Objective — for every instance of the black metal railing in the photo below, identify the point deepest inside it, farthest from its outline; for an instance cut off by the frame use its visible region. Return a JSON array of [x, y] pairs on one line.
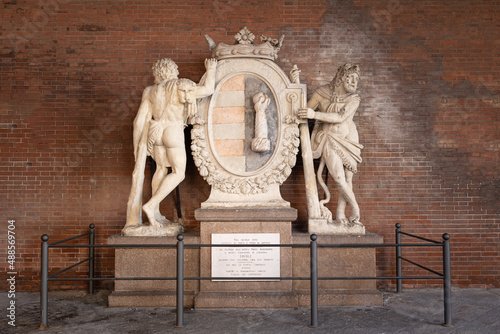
[[180, 278]]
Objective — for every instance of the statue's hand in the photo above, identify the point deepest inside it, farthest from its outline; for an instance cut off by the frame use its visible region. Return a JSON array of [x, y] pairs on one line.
[[267, 102], [263, 103], [306, 113], [210, 64]]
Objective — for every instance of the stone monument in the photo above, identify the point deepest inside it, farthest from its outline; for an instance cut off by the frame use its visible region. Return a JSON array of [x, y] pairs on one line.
[[249, 119]]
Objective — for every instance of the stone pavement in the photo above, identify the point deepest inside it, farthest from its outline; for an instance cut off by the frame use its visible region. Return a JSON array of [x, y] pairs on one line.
[[413, 311]]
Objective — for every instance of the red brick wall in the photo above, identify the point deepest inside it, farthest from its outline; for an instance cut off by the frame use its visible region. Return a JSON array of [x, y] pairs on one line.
[[72, 73]]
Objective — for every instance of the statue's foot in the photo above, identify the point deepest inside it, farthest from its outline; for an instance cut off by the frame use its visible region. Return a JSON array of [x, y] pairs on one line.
[[335, 227], [150, 213], [156, 227], [163, 224], [354, 219], [161, 218], [341, 221], [340, 225]]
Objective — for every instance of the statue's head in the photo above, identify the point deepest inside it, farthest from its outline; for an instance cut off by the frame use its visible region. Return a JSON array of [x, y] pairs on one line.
[[186, 91], [165, 69], [347, 77]]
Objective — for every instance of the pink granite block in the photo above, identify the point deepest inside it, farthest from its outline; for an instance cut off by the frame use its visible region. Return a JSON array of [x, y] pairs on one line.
[[230, 147], [234, 84]]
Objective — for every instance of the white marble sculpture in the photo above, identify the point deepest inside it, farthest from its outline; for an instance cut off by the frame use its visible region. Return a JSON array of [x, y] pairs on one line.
[[261, 143], [159, 132], [335, 141]]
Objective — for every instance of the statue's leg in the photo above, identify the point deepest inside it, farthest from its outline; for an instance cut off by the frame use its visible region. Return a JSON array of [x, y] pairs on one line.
[[135, 197], [342, 201], [160, 155], [177, 157], [336, 168]]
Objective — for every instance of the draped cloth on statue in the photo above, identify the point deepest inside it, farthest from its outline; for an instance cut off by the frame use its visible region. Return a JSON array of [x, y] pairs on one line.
[[348, 151], [325, 142]]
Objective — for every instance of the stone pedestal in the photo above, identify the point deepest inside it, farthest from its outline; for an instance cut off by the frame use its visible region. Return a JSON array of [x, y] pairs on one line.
[[277, 294], [153, 262], [332, 262], [338, 262]]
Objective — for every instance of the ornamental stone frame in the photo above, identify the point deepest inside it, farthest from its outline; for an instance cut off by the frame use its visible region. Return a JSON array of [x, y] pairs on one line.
[[247, 179]]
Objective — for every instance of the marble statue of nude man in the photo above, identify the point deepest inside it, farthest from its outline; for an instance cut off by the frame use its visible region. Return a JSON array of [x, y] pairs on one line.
[[335, 138], [159, 132]]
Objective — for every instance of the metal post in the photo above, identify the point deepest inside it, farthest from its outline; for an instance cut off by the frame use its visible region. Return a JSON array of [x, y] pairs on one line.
[[314, 281], [180, 281], [447, 280], [91, 258], [399, 281], [44, 283]]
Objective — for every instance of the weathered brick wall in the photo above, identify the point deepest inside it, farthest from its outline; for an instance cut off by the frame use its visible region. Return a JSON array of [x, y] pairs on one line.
[[72, 74]]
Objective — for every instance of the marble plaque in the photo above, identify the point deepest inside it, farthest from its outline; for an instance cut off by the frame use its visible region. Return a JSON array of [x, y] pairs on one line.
[[249, 261]]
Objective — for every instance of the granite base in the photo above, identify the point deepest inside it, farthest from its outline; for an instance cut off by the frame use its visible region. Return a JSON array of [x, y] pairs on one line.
[[161, 262]]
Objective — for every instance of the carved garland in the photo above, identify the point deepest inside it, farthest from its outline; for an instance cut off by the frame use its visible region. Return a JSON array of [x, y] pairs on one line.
[[278, 172]]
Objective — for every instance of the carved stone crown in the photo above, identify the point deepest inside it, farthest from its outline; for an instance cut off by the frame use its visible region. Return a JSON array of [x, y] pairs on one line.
[[245, 47]]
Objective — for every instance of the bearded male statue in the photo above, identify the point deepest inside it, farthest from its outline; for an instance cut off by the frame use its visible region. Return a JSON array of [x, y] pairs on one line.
[[335, 140], [159, 132]]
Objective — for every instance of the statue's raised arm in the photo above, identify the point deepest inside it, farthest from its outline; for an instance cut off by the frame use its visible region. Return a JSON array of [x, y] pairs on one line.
[[206, 88]]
